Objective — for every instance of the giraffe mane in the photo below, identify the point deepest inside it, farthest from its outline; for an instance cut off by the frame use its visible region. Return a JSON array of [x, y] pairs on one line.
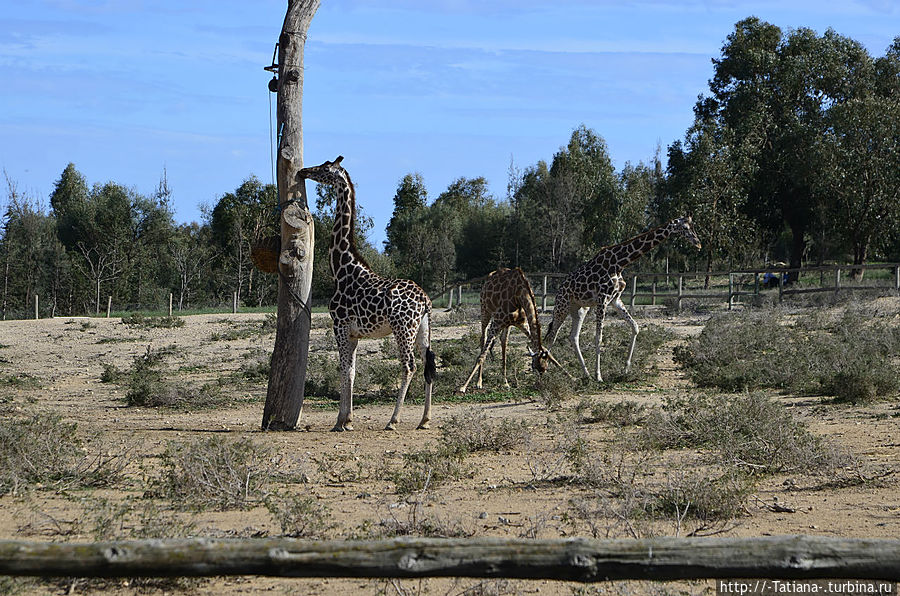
[[537, 320], [354, 249]]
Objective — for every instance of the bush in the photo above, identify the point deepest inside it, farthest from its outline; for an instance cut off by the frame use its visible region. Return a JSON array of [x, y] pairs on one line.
[[472, 431], [622, 413], [300, 516], [45, 451], [430, 467], [849, 356], [215, 473], [749, 431], [139, 321]]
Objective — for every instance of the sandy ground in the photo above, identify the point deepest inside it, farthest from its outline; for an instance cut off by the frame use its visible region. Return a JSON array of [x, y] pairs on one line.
[[510, 493]]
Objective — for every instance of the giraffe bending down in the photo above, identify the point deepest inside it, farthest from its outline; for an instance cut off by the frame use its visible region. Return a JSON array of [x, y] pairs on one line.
[[366, 305], [599, 283], [507, 300]]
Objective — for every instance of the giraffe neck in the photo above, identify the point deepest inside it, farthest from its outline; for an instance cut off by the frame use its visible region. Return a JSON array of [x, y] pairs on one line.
[[343, 251], [631, 250]]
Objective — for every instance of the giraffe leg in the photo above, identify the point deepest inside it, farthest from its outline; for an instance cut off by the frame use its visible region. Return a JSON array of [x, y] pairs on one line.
[[347, 354], [408, 368], [423, 342], [634, 331], [484, 342], [504, 335], [574, 336], [598, 339], [490, 337]]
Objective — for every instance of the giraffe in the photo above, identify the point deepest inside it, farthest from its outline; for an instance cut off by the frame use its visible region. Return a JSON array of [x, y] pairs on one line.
[[507, 300], [366, 305], [599, 283]]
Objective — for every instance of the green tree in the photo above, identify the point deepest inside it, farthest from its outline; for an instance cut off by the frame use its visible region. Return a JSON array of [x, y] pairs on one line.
[[861, 158], [239, 219], [27, 245]]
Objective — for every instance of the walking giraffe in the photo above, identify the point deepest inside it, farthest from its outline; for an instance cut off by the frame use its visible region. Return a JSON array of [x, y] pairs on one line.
[[599, 283], [366, 305], [507, 300]]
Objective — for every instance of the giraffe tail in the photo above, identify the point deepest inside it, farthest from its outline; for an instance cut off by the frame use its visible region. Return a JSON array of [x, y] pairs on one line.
[[430, 366]]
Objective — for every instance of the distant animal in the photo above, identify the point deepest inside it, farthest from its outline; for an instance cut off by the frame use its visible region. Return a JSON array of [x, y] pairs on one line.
[[366, 305], [599, 283], [507, 300]]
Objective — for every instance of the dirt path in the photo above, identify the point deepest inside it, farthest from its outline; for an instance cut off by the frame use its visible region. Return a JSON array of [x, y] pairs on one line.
[[518, 491]]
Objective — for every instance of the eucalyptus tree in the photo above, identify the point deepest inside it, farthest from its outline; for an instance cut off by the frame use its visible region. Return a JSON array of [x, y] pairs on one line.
[[239, 219], [773, 91]]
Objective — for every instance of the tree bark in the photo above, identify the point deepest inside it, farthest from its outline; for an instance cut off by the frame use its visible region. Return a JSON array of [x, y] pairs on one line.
[[287, 376]]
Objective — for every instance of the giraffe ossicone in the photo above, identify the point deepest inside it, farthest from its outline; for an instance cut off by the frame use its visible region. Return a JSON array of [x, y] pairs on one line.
[[367, 305], [599, 283]]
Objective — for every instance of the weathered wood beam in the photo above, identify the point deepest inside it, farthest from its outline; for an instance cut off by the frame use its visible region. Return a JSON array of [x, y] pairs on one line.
[[577, 559]]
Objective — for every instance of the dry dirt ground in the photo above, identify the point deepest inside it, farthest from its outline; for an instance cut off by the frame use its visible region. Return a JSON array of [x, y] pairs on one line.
[[514, 492]]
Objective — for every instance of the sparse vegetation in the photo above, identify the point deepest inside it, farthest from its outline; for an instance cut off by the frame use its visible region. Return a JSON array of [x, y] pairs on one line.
[[430, 467], [299, 516], [148, 384], [472, 430], [215, 473], [140, 321], [42, 451], [848, 356], [749, 431]]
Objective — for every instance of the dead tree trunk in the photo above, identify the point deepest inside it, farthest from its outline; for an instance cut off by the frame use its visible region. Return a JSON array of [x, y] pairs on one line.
[[287, 377]]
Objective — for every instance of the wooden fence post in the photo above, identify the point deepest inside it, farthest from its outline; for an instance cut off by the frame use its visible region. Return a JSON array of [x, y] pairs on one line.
[[170, 304], [108, 306], [36, 316], [450, 299], [897, 277], [544, 297], [680, 291], [837, 280], [653, 292], [730, 290], [633, 289], [234, 303]]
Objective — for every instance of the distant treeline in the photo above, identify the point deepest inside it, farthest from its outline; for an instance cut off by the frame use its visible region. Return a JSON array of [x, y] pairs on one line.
[[794, 155]]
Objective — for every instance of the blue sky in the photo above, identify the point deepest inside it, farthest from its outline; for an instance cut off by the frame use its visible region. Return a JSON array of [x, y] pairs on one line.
[[447, 88]]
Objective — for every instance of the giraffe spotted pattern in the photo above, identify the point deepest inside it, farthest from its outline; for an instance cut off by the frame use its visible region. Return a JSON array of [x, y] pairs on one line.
[[599, 283], [367, 305]]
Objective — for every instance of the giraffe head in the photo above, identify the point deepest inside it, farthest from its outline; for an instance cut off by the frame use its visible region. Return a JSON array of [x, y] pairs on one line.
[[539, 360], [327, 173], [685, 227]]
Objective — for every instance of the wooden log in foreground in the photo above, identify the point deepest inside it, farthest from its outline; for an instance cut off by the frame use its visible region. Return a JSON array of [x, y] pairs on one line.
[[577, 559]]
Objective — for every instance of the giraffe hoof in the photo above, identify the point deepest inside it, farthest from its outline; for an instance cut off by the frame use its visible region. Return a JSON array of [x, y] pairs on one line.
[[392, 425], [461, 391], [424, 425], [339, 428]]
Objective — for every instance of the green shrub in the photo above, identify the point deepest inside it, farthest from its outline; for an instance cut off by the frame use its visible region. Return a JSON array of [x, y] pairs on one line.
[[849, 356], [620, 413]]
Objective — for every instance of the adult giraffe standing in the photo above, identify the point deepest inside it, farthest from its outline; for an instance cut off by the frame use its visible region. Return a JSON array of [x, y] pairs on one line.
[[366, 305], [599, 283]]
